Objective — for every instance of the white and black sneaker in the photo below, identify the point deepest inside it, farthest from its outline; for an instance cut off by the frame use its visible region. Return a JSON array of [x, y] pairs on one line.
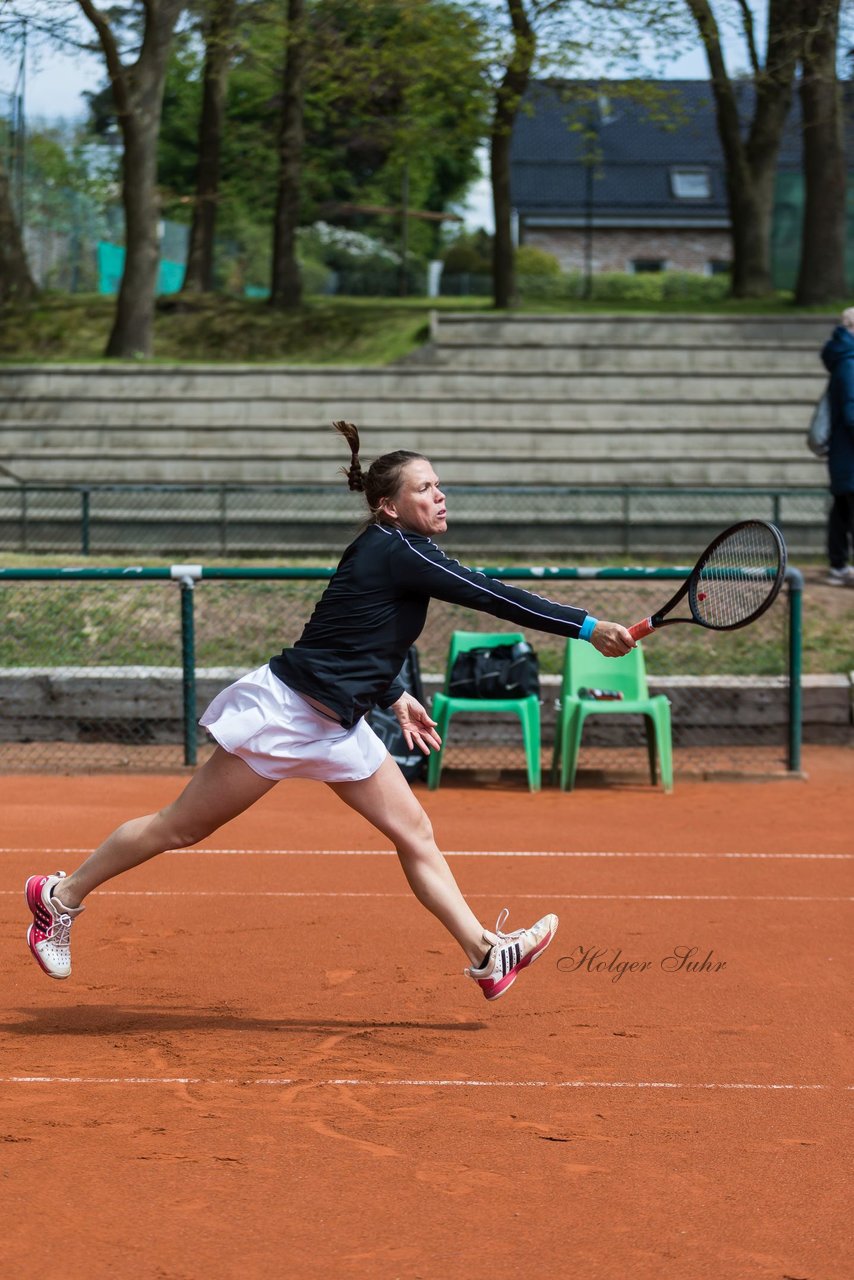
[[841, 577], [509, 953]]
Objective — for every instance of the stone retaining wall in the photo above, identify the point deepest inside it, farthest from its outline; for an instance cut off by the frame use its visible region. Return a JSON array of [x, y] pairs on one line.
[[143, 705]]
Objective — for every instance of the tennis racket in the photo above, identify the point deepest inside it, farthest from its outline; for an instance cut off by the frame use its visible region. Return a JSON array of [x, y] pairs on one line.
[[735, 580]]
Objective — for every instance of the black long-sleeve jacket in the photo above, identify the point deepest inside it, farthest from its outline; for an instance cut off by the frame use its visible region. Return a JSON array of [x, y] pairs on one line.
[[375, 607]]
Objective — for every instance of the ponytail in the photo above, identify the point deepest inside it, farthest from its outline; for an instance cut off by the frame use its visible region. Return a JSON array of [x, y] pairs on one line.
[[355, 478]]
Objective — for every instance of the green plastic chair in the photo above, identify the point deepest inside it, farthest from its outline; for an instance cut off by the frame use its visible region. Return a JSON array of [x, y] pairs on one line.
[[585, 667], [444, 706]]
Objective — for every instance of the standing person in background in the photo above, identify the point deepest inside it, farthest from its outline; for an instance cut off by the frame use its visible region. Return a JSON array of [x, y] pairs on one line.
[[838, 358], [303, 715], [840, 543]]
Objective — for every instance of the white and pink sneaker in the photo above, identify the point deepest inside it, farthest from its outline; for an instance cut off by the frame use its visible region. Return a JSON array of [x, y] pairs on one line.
[[510, 953], [48, 936]]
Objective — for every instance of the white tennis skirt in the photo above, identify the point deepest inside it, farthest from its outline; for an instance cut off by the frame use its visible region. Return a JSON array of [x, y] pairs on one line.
[[280, 735]]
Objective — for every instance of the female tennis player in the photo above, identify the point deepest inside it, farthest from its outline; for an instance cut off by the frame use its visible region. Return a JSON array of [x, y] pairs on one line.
[[302, 715]]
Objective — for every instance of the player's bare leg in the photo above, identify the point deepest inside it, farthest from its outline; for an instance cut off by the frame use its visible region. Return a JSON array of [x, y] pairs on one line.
[[222, 788], [497, 958], [387, 802]]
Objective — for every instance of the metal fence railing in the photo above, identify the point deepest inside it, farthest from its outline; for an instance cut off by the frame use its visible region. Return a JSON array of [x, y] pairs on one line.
[[109, 668], [227, 520]]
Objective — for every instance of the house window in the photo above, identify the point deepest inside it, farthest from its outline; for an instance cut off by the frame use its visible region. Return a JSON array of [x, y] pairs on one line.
[[718, 267], [691, 184], [641, 265]]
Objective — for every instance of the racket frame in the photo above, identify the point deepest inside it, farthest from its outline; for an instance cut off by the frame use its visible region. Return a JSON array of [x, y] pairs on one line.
[[660, 618]]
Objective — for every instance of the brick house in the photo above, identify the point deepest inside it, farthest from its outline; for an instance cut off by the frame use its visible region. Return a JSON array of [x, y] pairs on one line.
[[608, 183]]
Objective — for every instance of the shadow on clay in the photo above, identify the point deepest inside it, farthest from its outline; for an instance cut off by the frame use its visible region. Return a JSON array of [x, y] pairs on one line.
[[83, 1020]]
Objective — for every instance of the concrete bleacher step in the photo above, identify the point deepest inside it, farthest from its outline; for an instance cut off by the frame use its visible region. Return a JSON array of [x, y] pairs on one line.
[[585, 358], [462, 440], [597, 467], [412, 385], [392, 419], [630, 330]]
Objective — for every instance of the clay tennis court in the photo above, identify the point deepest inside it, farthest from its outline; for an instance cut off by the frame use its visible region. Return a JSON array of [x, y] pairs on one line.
[[267, 1061]]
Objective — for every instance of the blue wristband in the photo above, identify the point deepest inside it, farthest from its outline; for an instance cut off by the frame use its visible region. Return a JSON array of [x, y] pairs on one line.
[[587, 627]]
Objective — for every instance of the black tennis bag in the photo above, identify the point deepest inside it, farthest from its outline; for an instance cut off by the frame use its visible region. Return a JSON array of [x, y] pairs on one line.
[[505, 671], [385, 724]]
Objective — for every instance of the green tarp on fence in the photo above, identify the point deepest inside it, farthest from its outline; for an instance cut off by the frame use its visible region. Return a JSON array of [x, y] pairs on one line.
[[786, 231], [111, 265]]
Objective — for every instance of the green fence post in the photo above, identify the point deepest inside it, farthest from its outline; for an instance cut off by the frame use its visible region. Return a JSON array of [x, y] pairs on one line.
[[84, 521], [627, 521], [188, 575], [223, 520], [796, 650]]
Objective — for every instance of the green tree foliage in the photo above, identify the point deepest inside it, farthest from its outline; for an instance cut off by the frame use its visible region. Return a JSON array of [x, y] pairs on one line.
[[531, 261], [393, 89], [70, 185], [396, 86], [469, 251], [27, 28]]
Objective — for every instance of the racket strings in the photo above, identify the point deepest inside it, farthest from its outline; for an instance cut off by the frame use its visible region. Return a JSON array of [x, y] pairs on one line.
[[737, 577]]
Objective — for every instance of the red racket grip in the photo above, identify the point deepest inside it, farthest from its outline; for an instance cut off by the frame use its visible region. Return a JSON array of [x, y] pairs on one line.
[[641, 629]]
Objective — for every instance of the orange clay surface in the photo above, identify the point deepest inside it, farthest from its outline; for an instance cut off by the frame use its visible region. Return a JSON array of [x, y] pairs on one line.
[[267, 1062]]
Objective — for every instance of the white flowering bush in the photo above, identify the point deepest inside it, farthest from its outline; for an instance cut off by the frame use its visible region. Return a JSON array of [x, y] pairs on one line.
[[341, 247], [359, 264]]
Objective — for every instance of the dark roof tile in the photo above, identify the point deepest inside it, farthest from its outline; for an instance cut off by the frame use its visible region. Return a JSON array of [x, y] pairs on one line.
[[642, 130]]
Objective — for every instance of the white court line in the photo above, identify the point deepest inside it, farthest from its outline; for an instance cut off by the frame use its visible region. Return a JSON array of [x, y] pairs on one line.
[[282, 1082], [458, 853], [346, 893]]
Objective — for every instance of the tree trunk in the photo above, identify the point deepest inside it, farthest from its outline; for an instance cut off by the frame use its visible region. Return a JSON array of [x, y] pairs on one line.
[[286, 285], [507, 102], [751, 163], [138, 96], [750, 190], [503, 265], [198, 277], [16, 283], [821, 278], [132, 333]]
